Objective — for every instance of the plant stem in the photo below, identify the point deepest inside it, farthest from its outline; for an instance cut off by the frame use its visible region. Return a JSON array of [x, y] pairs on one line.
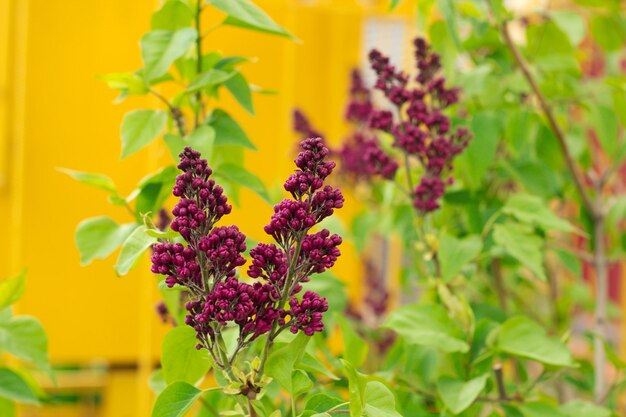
[[595, 210], [600, 265], [251, 410], [177, 115]]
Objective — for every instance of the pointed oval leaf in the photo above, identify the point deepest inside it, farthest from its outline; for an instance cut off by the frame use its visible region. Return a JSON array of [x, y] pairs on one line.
[[98, 237], [180, 359], [242, 176], [13, 387], [228, 131], [379, 401], [245, 14], [175, 400], [458, 395], [520, 336], [160, 48], [139, 128], [426, 325], [91, 178], [135, 245], [12, 289]]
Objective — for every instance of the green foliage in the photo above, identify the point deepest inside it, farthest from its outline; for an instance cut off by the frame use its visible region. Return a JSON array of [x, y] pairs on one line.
[[458, 395], [244, 14], [23, 338], [427, 325], [456, 253], [522, 337], [12, 289], [160, 48], [282, 362], [180, 360], [139, 128], [133, 247], [98, 237], [175, 400]]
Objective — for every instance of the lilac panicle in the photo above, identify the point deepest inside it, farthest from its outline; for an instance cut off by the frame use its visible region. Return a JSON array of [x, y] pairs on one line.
[[423, 130], [299, 254]]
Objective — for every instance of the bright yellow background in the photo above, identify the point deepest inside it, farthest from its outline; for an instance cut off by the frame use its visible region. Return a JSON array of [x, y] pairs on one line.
[[56, 113]]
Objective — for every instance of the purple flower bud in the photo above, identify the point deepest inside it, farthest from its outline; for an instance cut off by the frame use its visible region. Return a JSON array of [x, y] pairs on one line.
[[306, 315]]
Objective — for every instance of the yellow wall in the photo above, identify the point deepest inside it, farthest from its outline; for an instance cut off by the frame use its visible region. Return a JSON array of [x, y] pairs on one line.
[[56, 113]]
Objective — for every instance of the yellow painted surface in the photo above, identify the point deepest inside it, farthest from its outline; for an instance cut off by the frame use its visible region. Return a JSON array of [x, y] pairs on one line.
[[56, 113]]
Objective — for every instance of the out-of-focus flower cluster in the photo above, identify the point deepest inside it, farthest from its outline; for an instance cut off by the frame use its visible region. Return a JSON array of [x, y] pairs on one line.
[[419, 126], [416, 120], [206, 263]]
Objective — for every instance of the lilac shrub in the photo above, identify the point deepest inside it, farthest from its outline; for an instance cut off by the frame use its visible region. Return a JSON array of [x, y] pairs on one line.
[[207, 263]]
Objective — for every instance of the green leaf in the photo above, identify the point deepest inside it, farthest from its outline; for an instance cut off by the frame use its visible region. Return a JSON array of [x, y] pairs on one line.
[[25, 338], [180, 359], [12, 289], [240, 175], [581, 408], [175, 144], [160, 48], [426, 325], [481, 151], [154, 189], [245, 14], [174, 14], [354, 347], [356, 388], [13, 387], [134, 246], [139, 128], [539, 409], [210, 78], [301, 383], [608, 32], [98, 237], [520, 336], [323, 402], [281, 362], [379, 401], [175, 400], [311, 364], [228, 131], [458, 395], [447, 9], [157, 381], [126, 82], [93, 179], [531, 210], [202, 140], [547, 39], [455, 253], [519, 242], [239, 88], [570, 23], [606, 126]]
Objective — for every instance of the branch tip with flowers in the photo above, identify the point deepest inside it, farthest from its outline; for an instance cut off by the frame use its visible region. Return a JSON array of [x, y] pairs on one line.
[[206, 263]]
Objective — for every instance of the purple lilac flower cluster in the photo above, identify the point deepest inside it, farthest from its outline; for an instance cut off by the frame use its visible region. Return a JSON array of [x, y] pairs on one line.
[[298, 254], [206, 264], [421, 129]]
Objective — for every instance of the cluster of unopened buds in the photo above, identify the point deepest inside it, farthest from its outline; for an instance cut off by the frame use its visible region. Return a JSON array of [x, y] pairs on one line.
[[206, 262], [419, 126]]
